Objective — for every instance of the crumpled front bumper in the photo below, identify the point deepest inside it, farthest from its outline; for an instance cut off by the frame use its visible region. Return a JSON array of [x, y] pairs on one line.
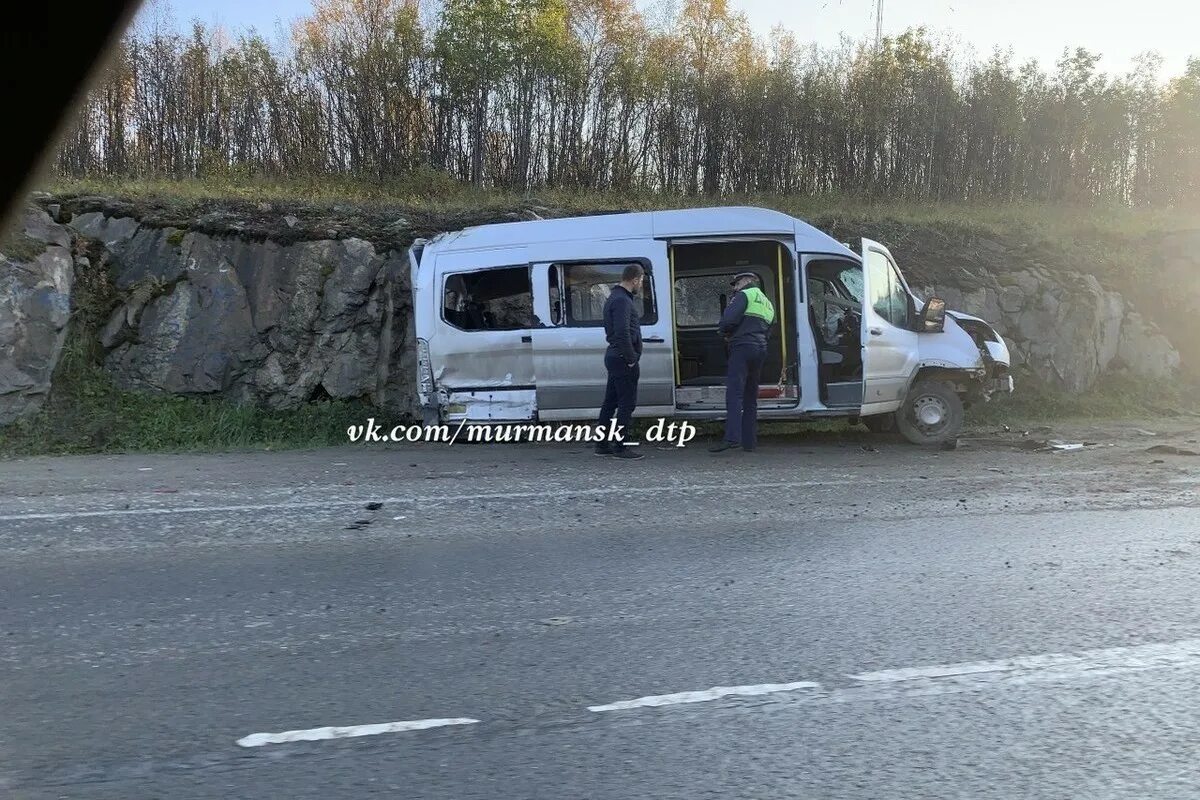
[[1000, 379]]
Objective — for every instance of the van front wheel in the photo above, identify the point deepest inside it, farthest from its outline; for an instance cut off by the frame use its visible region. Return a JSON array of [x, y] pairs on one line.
[[931, 414]]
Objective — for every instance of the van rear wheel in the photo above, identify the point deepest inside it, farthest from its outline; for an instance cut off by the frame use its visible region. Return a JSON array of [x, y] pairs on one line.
[[931, 414]]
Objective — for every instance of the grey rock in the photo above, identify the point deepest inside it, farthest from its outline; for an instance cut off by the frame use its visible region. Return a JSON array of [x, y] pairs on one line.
[[1145, 351], [290, 221], [112, 232], [35, 307], [261, 322], [115, 331], [1065, 329]]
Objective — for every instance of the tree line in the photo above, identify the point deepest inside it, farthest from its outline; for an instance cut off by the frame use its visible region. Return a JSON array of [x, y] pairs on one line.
[[590, 94]]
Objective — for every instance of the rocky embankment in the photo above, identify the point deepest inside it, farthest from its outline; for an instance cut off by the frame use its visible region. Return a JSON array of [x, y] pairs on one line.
[[279, 306]]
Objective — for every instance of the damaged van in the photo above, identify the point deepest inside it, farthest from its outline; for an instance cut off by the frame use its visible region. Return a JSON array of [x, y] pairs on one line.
[[509, 323]]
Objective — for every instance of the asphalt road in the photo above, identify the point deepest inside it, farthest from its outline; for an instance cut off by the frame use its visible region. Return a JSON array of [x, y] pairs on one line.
[[890, 623]]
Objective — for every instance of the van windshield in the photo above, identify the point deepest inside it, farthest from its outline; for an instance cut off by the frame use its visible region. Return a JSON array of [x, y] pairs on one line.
[[851, 279]]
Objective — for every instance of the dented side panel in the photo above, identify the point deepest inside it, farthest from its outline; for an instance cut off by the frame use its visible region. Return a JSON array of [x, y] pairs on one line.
[[517, 405]]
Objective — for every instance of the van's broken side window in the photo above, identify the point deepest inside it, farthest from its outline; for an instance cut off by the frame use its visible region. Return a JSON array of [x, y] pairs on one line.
[[499, 299]]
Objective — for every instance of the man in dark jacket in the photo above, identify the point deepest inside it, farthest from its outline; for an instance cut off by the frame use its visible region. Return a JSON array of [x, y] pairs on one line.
[[622, 329], [744, 324]]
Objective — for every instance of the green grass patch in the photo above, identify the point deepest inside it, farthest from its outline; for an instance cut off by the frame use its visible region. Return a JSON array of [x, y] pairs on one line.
[[87, 413], [1114, 397]]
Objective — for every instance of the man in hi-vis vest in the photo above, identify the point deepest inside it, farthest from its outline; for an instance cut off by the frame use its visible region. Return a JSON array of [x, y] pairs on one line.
[[744, 324]]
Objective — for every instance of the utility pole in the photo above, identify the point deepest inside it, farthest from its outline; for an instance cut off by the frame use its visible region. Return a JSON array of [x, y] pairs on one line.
[[878, 22]]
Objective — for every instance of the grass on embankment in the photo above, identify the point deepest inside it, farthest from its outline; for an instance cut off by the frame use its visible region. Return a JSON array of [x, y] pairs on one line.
[[432, 191]]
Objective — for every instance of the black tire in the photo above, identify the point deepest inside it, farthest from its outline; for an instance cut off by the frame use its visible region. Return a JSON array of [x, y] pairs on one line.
[[880, 423], [932, 413]]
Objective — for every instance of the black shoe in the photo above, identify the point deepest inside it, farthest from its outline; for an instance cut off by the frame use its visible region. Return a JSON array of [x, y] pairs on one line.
[[627, 454], [603, 450], [723, 446]]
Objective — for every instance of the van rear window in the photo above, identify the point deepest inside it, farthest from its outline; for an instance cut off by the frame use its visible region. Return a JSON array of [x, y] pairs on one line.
[[499, 299]]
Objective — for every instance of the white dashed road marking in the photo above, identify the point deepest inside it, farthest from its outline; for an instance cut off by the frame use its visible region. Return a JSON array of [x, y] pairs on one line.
[[715, 693], [883, 685], [350, 731], [1047, 667]]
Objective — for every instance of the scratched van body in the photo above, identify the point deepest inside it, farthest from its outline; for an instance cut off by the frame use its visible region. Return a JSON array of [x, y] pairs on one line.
[[509, 326]]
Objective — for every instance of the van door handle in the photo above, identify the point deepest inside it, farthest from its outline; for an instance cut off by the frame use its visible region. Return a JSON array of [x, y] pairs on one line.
[[876, 331], [655, 339], [527, 339]]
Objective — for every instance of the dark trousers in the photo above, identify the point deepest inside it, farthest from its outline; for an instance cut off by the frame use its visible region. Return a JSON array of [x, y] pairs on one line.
[[620, 396], [741, 394]]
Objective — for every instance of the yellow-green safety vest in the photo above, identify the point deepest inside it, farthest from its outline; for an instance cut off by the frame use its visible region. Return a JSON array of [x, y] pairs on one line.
[[757, 305]]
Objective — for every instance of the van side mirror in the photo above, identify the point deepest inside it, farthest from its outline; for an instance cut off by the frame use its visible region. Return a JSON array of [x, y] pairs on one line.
[[933, 316]]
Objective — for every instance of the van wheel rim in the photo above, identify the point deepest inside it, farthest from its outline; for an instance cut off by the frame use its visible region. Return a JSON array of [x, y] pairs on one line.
[[930, 413]]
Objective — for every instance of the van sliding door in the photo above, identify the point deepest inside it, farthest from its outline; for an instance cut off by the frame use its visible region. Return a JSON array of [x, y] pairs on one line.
[[571, 282]]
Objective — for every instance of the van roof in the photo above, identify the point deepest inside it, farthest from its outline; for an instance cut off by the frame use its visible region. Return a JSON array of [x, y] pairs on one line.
[[681, 223]]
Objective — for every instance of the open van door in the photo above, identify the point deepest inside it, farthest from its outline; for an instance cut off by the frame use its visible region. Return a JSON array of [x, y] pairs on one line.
[[889, 345], [571, 282]]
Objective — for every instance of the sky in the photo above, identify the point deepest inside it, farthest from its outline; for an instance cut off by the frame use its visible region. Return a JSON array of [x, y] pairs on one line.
[[1033, 28]]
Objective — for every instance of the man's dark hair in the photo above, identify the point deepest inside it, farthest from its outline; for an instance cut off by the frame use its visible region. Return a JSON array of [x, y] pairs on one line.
[[632, 272]]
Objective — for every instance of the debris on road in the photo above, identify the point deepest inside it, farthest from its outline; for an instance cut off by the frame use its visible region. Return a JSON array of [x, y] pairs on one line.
[[1171, 450], [556, 620], [1063, 447], [358, 524], [374, 506], [1051, 445]]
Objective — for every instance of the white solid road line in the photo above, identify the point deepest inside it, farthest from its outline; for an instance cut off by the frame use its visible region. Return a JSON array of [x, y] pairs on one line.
[[320, 734], [837, 481], [704, 696]]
